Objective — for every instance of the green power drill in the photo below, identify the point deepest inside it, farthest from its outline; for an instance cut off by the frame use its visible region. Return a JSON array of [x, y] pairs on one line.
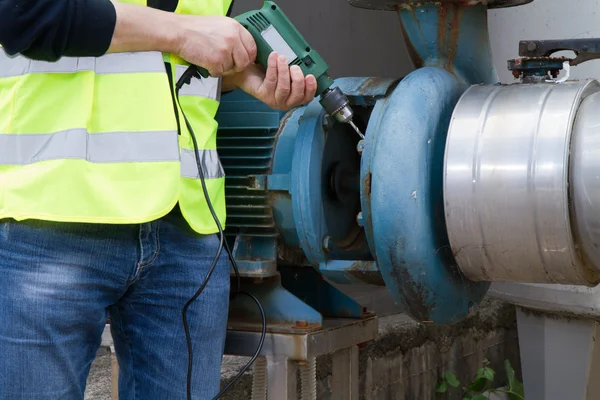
[[273, 31]]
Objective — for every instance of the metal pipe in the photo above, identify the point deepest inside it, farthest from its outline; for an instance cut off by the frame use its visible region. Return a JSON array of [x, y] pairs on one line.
[[451, 36]]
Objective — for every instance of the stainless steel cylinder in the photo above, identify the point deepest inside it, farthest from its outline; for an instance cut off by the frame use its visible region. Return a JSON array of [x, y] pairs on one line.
[[511, 213], [584, 175]]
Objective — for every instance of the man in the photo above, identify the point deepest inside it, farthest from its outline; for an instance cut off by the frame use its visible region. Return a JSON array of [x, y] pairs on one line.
[[102, 210]]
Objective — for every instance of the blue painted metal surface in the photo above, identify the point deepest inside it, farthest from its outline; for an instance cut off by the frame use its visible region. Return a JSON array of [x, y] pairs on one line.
[[276, 185], [308, 183], [451, 36], [280, 305], [309, 286], [401, 182], [402, 166], [282, 168], [246, 141], [352, 272]]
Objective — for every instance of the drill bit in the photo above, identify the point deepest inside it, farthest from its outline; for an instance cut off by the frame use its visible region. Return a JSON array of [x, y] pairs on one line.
[[356, 129]]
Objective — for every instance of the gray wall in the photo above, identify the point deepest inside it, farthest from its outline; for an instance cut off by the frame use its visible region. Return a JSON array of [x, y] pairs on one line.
[[358, 42], [544, 19], [353, 41]]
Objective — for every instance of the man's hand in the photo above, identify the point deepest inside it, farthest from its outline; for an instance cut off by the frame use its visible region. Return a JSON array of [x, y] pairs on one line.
[[280, 87], [219, 44]]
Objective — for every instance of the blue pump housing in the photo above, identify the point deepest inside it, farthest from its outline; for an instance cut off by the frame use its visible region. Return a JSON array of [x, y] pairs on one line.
[[309, 203]]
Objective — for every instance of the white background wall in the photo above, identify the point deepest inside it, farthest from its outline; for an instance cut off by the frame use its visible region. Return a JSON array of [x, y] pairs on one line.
[[543, 19]]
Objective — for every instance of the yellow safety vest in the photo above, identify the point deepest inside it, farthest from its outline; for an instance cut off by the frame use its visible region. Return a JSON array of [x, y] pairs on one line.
[[96, 140]]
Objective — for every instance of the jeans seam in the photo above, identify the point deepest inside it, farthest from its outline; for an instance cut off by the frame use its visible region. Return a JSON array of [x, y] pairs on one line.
[[127, 341], [144, 265], [141, 244]]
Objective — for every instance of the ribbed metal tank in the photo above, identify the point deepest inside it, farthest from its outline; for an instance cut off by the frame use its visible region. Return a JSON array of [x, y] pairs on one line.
[[513, 212], [246, 141]]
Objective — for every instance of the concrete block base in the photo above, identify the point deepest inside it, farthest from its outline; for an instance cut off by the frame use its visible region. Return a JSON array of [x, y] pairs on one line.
[[559, 356], [407, 359], [404, 363]]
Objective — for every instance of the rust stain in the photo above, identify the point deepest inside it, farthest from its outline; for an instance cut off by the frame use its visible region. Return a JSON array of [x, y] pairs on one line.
[[372, 278], [410, 48], [361, 271], [367, 184], [372, 83], [448, 31], [361, 266], [442, 28]]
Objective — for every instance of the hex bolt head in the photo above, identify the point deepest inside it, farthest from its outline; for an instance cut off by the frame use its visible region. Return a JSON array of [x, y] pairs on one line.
[[360, 220], [531, 46], [360, 147], [302, 324]]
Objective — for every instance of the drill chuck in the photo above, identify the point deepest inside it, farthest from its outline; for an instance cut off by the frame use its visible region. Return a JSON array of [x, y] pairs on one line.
[[336, 104]]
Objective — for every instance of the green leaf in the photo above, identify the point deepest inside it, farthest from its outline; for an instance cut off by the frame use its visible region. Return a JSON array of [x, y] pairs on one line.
[[479, 397], [466, 398], [480, 373], [514, 386], [442, 387], [451, 379], [488, 374], [478, 384]]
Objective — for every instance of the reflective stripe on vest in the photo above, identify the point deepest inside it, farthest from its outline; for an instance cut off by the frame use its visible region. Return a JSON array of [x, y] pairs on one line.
[[203, 87], [209, 160], [91, 139], [108, 147], [118, 63]]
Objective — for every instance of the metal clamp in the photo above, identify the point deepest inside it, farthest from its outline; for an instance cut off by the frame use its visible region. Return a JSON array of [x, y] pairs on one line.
[[536, 61]]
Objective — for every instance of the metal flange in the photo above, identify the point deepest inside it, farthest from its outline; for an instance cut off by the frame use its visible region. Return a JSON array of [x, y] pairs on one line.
[[395, 5], [402, 201]]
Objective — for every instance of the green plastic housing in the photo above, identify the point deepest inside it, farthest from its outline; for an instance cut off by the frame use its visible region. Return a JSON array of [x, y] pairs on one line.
[[273, 31]]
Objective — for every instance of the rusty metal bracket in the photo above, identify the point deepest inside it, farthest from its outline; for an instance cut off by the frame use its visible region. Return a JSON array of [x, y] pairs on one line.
[[536, 61], [584, 49]]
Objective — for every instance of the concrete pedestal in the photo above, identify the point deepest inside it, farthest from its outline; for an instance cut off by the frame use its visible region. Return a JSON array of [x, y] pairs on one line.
[[560, 358]]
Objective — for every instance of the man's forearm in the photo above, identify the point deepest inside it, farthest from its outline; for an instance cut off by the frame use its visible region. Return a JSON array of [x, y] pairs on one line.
[[145, 29], [49, 29]]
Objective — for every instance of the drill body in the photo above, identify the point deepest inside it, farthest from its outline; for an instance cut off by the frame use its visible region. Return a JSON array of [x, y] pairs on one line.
[[273, 31]]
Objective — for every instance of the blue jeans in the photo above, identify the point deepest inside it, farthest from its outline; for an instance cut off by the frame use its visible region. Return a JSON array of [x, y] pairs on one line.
[[59, 283]]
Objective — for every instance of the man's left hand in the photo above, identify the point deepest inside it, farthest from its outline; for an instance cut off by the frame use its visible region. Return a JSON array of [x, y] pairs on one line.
[[281, 87]]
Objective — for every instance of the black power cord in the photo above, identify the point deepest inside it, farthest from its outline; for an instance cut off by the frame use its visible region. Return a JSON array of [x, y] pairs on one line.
[[186, 78]]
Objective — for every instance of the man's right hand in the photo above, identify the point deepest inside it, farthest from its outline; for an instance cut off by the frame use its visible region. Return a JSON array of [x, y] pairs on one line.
[[219, 44]]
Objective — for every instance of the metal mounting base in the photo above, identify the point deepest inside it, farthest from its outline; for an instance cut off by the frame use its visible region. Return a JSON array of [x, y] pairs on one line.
[[337, 334], [284, 354], [560, 357]]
